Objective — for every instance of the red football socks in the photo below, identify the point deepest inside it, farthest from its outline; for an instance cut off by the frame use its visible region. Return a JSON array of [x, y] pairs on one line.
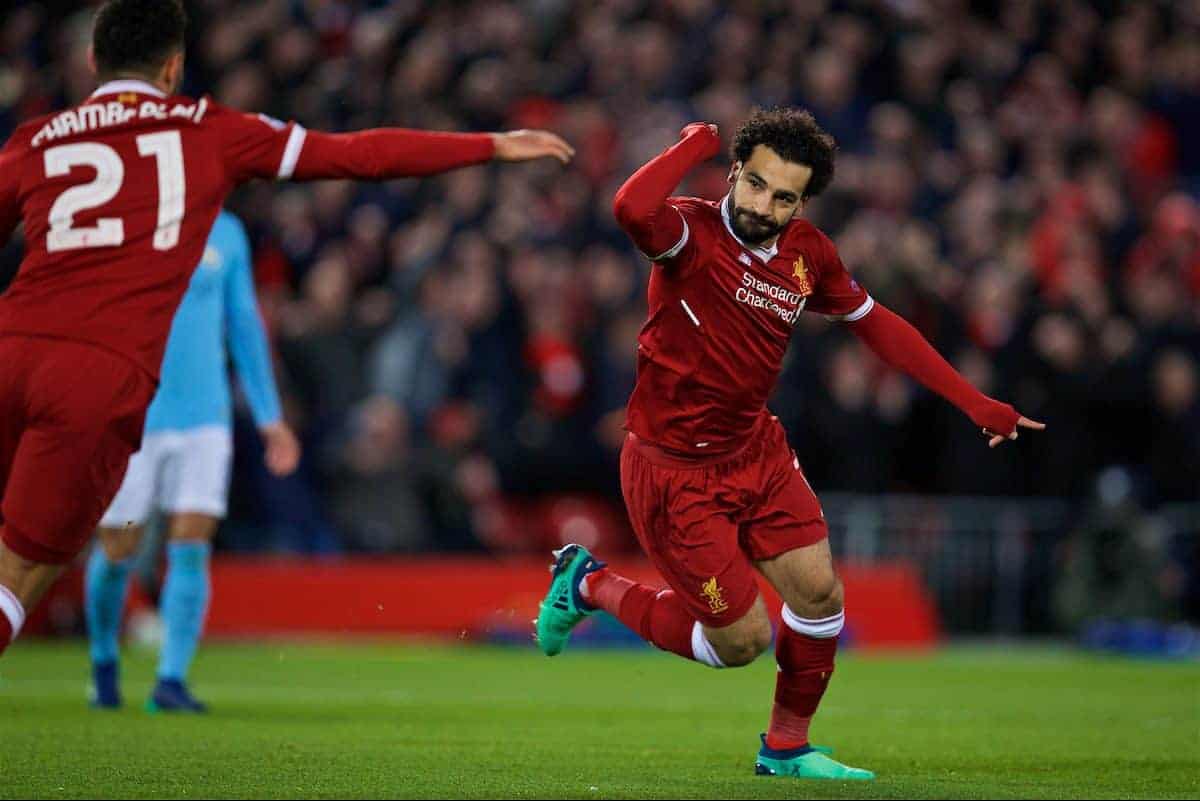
[[656, 615], [805, 667]]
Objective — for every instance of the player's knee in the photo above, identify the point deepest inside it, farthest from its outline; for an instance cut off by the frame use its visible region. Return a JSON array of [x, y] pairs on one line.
[[746, 646], [192, 527], [119, 545], [120, 551], [822, 597]]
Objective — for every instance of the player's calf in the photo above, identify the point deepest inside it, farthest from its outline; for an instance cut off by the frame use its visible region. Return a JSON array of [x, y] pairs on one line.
[[581, 584], [23, 582], [119, 543]]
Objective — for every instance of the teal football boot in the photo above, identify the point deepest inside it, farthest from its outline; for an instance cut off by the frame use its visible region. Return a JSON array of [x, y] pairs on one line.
[[563, 607], [805, 763]]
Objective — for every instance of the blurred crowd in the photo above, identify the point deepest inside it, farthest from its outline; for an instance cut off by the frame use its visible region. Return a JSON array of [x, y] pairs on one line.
[[1019, 179]]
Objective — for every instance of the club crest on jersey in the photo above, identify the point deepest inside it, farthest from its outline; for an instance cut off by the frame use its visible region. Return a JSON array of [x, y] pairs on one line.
[[715, 596], [800, 273], [745, 258]]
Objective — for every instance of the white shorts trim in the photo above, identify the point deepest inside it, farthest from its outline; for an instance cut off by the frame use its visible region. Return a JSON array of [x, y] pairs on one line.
[[175, 471]]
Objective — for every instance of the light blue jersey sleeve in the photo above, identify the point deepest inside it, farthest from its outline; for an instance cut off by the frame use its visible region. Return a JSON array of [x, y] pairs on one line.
[[246, 334]]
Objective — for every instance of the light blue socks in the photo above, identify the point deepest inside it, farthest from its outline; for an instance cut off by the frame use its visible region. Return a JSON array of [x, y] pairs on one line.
[[184, 605], [105, 586]]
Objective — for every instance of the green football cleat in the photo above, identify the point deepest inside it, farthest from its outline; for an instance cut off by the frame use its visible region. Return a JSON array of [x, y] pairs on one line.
[[563, 607], [806, 763]]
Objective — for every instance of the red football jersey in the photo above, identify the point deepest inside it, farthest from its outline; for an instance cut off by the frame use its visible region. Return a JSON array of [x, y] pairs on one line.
[[118, 195], [721, 316]]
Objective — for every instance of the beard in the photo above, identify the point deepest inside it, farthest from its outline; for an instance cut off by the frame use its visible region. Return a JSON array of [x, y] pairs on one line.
[[751, 228]]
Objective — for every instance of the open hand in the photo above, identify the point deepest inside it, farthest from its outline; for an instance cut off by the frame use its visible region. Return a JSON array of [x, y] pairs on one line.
[[1022, 422], [706, 130], [282, 449], [526, 145]]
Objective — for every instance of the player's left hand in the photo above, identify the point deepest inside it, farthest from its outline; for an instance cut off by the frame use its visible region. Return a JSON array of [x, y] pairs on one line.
[[526, 145], [283, 449], [1022, 422]]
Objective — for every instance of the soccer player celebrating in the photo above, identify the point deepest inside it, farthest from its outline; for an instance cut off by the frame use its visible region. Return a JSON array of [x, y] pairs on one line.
[[118, 195], [712, 489], [183, 466]]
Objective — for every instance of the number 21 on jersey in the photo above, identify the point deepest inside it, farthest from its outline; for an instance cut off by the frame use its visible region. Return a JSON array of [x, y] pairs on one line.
[[167, 150]]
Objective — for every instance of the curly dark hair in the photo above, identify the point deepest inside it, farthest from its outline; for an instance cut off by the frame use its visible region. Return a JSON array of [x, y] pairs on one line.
[[137, 35], [793, 133]]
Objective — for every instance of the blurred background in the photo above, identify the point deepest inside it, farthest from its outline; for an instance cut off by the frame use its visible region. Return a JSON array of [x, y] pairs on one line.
[[1018, 179]]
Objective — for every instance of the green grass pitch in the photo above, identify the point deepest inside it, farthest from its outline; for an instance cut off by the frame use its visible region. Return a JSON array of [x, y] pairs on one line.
[[439, 721]]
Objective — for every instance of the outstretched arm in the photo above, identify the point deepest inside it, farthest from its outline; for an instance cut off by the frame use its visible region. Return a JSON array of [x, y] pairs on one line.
[[382, 153], [641, 207], [258, 146], [901, 346]]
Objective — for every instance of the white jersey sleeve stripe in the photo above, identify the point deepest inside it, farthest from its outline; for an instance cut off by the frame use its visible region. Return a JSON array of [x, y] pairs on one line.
[[683, 240], [859, 313], [291, 152]]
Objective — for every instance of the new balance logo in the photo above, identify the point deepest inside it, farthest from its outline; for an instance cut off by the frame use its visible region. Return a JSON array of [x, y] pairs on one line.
[[745, 259]]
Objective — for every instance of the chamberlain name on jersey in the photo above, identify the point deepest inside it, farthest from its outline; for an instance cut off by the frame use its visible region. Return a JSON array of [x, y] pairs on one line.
[[118, 196], [94, 116], [119, 193]]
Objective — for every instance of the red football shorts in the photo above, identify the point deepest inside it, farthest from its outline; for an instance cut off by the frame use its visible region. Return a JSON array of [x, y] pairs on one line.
[[71, 415], [703, 524]]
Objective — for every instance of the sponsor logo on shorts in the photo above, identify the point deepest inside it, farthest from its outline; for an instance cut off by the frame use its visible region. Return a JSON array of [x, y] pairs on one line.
[[715, 596]]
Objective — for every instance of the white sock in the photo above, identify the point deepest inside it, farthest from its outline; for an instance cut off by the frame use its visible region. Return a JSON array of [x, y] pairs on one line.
[[11, 608], [702, 649], [820, 628]]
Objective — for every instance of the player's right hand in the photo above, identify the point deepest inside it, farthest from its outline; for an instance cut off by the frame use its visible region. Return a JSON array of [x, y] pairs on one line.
[[995, 439], [1000, 421], [526, 145], [704, 129], [282, 449]]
